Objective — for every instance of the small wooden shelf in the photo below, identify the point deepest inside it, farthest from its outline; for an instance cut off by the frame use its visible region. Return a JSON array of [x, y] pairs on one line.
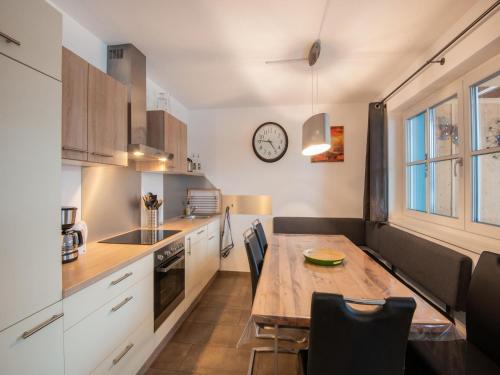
[[196, 174], [162, 167]]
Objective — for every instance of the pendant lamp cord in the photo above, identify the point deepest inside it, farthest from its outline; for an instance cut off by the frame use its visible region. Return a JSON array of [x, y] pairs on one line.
[[312, 91]]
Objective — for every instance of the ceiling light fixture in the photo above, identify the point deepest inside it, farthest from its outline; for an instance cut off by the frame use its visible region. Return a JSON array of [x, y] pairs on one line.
[[316, 137]]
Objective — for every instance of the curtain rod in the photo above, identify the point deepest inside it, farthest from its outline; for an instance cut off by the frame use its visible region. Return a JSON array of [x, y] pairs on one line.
[[441, 61]]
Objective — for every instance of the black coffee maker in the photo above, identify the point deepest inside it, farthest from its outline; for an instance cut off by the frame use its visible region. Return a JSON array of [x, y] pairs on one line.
[[71, 239]]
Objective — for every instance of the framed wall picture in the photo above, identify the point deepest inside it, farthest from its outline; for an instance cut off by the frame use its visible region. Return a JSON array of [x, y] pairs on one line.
[[336, 153]]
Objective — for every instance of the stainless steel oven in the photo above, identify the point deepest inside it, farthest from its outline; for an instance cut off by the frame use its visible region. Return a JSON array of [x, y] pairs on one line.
[[169, 280]]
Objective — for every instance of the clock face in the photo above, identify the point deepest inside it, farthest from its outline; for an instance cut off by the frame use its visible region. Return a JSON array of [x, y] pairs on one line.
[[270, 142]]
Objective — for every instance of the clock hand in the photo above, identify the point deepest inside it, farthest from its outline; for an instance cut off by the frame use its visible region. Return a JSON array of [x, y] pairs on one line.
[[271, 143]]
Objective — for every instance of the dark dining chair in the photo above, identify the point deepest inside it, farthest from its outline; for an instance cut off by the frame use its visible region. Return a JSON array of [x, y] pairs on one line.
[[480, 352], [261, 235], [255, 258], [346, 341], [255, 262]]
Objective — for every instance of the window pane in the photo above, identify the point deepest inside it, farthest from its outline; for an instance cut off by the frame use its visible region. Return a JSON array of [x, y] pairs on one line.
[[485, 109], [444, 187], [486, 174], [416, 187], [415, 138], [444, 128]]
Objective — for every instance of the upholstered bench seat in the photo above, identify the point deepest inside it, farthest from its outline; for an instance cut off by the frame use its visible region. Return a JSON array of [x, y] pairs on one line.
[[447, 358]]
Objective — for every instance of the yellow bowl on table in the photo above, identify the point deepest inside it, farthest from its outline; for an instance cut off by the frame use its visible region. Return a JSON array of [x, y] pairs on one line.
[[324, 256]]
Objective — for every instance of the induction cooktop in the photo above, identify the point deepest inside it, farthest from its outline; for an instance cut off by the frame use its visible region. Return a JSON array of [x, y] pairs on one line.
[[141, 237]]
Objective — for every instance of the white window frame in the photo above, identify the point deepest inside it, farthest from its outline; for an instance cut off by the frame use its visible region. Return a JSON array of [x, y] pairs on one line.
[[451, 90], [477, 75]]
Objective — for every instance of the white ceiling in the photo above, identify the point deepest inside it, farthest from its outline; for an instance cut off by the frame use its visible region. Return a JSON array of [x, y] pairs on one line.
[[211, 53]]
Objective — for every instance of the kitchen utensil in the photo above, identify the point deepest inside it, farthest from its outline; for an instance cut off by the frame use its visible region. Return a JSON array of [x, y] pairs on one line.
[[68, 216], [152, 218], [324, 256], [81, 227], [70, 239]]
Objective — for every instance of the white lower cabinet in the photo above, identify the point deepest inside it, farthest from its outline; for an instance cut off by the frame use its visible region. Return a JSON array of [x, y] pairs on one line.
[[213, 248], [34, 345], [91, 340], [130, 355], [202, 258]]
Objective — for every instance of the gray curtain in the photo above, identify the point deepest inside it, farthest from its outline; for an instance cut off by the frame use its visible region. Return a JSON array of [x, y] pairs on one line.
[[376, 207]]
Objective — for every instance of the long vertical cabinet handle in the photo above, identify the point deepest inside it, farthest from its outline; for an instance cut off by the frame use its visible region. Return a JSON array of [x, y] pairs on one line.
[[123, 353], [10, 39], [189, 246], [41, 326]]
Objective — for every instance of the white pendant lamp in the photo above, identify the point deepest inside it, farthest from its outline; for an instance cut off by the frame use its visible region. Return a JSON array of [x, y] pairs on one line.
[[316, 129], [316, 134]]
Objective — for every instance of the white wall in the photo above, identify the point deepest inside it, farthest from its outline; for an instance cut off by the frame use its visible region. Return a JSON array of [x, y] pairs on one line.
[[223, 137], [71, 188], [478, 46]]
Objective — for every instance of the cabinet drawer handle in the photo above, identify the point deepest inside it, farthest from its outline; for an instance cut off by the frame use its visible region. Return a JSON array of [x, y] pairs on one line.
[[10, 39], [211, 237], [189, 247], [102, 154], [122, 354], [201, 231], [121, 304], [42, 325], [120, 279], [73, 149]]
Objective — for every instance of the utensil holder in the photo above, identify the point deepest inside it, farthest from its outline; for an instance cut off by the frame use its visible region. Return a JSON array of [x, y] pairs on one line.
[[152, 219]]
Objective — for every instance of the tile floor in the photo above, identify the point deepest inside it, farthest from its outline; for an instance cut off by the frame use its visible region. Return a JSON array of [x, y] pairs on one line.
[[206, 342]]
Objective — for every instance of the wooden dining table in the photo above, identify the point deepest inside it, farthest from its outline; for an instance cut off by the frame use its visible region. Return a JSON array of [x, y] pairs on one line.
[[287, 282]]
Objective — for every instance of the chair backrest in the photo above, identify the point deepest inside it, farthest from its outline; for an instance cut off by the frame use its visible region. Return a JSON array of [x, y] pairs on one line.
[[255, 258], [261, 235], [483, 306], [345, 341]]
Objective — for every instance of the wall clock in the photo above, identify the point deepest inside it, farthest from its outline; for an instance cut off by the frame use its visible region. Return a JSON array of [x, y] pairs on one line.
[[270, 142]]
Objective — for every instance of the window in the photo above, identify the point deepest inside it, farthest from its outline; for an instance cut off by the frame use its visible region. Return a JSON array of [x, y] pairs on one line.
[[433, 159], [485, 153], [452, 156], [416, 165]]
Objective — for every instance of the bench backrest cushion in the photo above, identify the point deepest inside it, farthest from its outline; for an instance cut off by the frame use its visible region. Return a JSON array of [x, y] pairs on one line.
[[352, 228], [372, 235], [442, 271]]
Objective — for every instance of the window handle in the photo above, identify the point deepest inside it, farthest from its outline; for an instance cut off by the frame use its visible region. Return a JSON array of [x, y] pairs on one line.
[[460, 162]]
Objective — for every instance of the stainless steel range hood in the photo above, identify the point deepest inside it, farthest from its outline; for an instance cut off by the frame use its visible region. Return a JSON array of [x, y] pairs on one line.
[[128, 65]]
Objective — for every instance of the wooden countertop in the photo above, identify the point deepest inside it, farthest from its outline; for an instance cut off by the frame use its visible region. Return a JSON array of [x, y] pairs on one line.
[[102, 259], [287, 282]]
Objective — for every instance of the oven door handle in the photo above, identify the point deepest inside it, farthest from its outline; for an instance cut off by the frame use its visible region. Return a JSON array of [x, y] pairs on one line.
[[170, 266]]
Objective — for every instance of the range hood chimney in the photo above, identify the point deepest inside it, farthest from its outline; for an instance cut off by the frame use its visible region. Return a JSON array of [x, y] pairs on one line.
[[128, 65]]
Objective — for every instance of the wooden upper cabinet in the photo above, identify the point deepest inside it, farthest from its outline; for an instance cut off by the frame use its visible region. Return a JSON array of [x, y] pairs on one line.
[[94, 113], [183, 146], [107, 119], [167, 133], [75, 73], [172, 136]]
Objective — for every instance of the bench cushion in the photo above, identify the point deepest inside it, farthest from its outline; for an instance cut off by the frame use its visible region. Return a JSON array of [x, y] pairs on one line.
[[443, 272], [447, 358], [354, 229]]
